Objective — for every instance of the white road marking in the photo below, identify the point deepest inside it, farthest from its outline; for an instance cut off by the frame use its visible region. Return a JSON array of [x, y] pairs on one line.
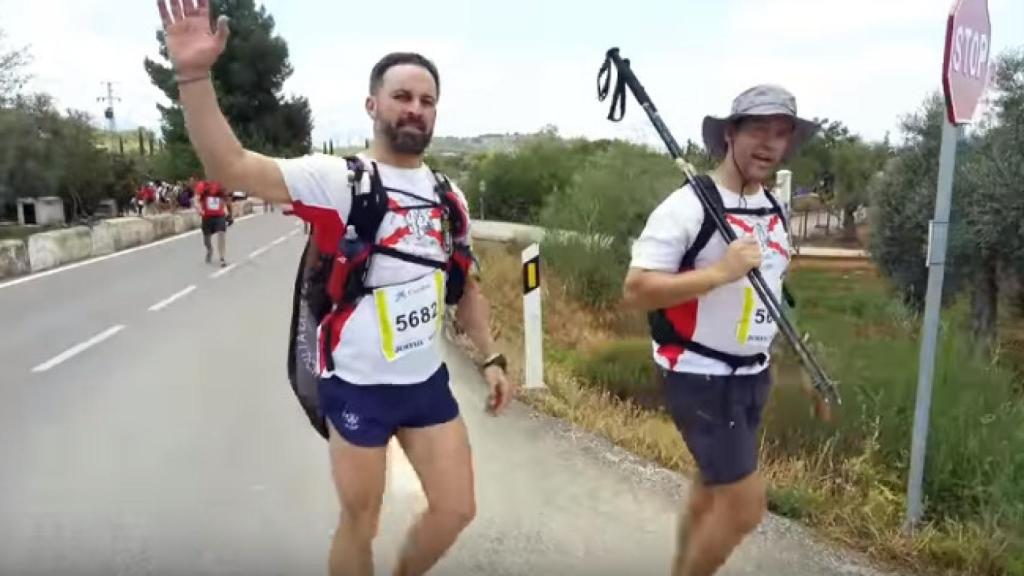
[[78, 349], [98, 259], [165, 303], [279, 240], [223, 271], [258, 251]]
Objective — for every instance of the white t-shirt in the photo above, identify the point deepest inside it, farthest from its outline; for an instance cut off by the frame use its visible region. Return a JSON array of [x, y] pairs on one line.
[[719, 317], [320, 183]]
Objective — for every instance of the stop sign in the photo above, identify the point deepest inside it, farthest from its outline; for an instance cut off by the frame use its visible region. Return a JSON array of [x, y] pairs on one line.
[[965, 64]]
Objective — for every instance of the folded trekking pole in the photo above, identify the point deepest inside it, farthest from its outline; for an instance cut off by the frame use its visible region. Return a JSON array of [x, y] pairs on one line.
[[825, 387]]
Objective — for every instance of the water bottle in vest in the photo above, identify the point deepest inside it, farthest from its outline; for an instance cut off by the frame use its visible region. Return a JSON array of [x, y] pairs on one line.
[[351, 245], [352, 255]]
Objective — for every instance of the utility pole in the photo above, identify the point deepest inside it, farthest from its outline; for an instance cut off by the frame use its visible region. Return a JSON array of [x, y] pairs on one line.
[[108, 113]]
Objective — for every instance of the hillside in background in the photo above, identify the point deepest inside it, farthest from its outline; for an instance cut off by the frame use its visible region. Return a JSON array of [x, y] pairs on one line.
[[455, 145]]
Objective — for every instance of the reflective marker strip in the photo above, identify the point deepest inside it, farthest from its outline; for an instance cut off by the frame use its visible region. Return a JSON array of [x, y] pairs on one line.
[[531, 275]]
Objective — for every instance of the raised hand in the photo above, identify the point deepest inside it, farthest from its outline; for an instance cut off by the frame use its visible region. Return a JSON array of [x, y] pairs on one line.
[[191, 43]]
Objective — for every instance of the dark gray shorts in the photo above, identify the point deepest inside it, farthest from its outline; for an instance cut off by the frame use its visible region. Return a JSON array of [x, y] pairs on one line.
[[719, 417], [214, 224]]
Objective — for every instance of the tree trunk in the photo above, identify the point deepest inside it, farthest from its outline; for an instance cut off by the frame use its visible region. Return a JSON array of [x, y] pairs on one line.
[[850, 222], [985, 305]]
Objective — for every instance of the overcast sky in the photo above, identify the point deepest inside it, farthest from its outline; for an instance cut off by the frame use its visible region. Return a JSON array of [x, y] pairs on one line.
[[864, 62]]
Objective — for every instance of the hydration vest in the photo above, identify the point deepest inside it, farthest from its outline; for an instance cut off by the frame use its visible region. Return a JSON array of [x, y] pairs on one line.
[[674, 329], [332, 273]]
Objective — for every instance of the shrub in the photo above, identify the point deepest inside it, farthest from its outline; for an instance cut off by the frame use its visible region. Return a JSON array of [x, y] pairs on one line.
[[605, 207]]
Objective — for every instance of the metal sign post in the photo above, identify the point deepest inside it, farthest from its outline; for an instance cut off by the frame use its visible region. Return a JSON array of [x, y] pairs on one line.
[[964, 75]]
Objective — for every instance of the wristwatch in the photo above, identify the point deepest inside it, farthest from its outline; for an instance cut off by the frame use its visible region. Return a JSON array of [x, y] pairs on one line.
[[498, 359]]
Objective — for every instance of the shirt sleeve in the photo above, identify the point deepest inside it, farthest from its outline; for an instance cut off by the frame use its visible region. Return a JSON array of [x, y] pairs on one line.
[[317, 183], [670, 230]]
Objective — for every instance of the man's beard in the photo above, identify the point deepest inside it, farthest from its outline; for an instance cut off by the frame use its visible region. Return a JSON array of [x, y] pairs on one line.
[[404, 141]]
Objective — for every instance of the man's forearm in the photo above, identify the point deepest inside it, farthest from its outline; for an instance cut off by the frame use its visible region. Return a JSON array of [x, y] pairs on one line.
[[222, 155], [474, 316], [214, 142], [651, 290]]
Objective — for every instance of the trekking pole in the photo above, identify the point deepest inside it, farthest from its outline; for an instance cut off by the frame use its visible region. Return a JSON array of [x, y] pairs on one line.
[[825, 386]]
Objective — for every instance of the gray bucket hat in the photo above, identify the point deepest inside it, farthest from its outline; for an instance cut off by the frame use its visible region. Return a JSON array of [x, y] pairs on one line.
[[761, 100]]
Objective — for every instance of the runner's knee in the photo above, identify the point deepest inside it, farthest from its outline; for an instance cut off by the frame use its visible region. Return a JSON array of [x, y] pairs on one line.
[[457, 514], [745, 505], [363, 518], [748, 520]]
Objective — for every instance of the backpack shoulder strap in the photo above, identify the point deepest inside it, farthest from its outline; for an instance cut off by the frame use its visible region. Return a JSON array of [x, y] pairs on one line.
[[777, 208], [442, 179], [707, 226], [716, 196], [369, 199], [455, 212]]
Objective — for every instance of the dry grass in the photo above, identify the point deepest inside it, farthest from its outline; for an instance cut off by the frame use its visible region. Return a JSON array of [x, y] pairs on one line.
[[570, 327]]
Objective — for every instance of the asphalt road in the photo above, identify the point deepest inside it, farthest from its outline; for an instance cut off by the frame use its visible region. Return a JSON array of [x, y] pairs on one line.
[[147, 427]]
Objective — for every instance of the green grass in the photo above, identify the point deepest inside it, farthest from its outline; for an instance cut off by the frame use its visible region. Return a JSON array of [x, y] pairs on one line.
[[975, 462], [624, 368], [872, 346]]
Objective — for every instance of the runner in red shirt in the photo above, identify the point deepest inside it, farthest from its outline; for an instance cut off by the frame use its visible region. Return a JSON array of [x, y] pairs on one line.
[[214, 205]]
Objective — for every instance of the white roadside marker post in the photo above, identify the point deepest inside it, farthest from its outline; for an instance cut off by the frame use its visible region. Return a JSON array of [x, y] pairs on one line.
[[533, 327]]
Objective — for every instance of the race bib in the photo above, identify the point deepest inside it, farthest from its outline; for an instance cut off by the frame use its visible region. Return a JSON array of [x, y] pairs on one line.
[[756, 326], [410, 315], [212, 203]]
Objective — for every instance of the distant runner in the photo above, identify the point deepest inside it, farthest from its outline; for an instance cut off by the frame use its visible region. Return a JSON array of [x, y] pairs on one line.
[[214, 206]]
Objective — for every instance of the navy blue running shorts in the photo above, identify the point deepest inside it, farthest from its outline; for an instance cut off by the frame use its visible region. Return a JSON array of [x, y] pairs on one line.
[[719, 417], [369, 415]]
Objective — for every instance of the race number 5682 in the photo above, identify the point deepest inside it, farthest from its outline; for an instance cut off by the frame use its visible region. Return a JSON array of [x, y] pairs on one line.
[[415, 318]]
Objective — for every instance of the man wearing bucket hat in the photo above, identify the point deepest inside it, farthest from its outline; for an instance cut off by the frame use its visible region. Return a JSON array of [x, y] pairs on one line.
[[711, 333]]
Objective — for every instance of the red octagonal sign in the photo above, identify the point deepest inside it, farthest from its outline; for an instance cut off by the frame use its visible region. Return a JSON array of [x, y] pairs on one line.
[[966, 62]]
